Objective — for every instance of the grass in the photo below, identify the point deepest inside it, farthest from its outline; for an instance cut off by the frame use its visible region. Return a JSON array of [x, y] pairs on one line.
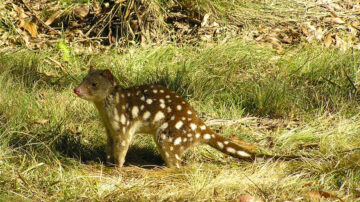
[[300, 103], [303, 101]]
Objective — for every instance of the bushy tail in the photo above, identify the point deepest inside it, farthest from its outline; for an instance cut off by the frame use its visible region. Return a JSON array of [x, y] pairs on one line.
[[237, 151]]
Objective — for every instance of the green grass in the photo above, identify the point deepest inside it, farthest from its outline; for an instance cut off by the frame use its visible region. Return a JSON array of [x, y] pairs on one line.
[[298, 103]]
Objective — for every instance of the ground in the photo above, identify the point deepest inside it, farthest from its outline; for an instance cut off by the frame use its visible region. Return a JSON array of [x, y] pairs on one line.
[[282, 94]]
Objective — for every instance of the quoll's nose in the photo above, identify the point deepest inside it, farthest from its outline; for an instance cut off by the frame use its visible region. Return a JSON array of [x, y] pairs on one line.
[[77, 91]]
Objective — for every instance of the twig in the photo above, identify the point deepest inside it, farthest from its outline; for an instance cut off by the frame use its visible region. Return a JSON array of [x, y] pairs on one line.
[[23, 179], [351, 82], [333, 83], [88, 39], [263, 192], [351, 150], [40, 20], [61, 67], [307, 60]]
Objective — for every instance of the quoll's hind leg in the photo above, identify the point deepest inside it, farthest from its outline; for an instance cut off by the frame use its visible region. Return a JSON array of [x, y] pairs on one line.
[[171, 153]]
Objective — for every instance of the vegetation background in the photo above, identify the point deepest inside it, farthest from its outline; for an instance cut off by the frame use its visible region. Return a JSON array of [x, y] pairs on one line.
[[281, 75]]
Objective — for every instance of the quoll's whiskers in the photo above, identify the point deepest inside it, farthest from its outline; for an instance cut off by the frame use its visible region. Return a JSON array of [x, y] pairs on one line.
[[151, 109]]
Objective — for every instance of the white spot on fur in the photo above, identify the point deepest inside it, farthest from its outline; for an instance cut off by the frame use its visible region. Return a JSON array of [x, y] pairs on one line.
[[171, 148], [123, 143], [197, 135], [203, 127], [221, 145], [242, 153], [162, 106], [164, 126], [123, 119], [163, 136], [207, 136], [116, 115], [122, 95], [161, 100], [189, 112], [167, 96], [129, 94], [177, 141], [230, 150], [155, 91], [183, 118], [177, 157], [189, 135], [142, 98], [179, 124], [213, 135], [117, 97], [161, 91], [146, 115], [185, 139], [193, 126], [172, 117], [179, 107], [226, 142], [149, 101], [166, 154], [145, 90], [158, 116], [135, 111], [115, 125], [142, 107], [169, 109]]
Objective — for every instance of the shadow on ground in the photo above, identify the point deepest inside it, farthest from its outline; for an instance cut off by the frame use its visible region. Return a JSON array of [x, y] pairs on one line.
[[71, 146]]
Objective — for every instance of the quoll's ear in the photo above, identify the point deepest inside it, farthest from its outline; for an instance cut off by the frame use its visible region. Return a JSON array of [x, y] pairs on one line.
[[91, 69], [108, 75]]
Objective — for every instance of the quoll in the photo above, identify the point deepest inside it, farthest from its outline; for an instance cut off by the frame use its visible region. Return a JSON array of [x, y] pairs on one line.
[[151, 109]]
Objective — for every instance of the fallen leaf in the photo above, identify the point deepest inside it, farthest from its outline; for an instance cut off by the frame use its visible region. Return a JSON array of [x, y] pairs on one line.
[[328, 40], [247, 198], [45, 121], [81, 11], [52, 18], [205, 20], [319, 33], [29, 26], [309, 184], [319, 194], [334, 20]]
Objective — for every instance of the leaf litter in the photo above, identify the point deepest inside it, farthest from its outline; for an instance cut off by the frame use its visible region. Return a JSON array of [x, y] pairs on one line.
[[278, 24]]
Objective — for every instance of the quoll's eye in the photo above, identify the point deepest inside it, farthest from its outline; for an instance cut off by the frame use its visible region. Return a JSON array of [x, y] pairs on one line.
[[93, 84]]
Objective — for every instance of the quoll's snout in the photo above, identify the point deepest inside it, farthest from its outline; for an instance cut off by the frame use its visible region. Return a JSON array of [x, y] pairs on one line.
[[77, 91]]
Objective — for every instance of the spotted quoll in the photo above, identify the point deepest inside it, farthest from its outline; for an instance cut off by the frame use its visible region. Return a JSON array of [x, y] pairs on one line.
[[151, 109]]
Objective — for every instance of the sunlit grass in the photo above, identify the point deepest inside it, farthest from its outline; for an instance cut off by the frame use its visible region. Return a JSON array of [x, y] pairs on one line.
[[288, 104]]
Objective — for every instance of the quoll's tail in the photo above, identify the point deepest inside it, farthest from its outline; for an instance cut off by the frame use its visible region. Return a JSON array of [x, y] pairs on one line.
[[237, 151]]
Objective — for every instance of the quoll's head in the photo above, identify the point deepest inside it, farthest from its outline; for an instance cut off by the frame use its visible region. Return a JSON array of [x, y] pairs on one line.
[[96, 86]]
